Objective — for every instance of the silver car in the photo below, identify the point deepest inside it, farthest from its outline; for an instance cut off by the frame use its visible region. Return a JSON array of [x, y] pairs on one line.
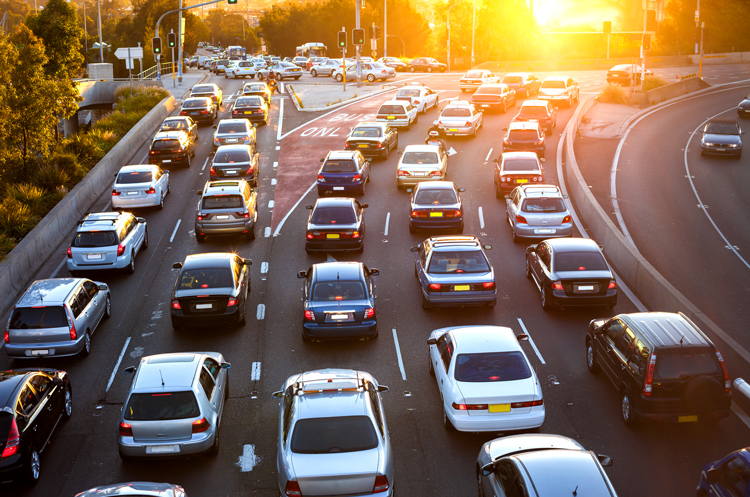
[[57, 317], [461, 118], [226, 208], [421, 163], [136, 489], [282, 70], [174, 405], [333, 438], [107, 240], [143, 185], [234, 132], [539, 466], [327, 68], [538, 211]]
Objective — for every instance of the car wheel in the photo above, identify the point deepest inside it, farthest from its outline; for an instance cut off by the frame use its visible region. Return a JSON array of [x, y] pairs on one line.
[[251, 233], [474, 134], [528, 269], [260, 76], [226, 75], [370, 78], [314, 73], [629, 417], [591, 363], [33, 467], [214, 450], [131, 267], [514, 236], [243, 318], [570, 101], [426, 303], [86, 350], [279, 77], [362, 192], [161, 202], [546, 304], [480, 485], [200, 238], [339, 78], [416, 118], [446, 421], [108, 307], [429, 365], [297, 78], [68, 404]]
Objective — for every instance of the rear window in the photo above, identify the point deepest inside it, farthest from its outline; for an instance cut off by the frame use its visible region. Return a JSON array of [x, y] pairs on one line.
[[222, 62], [408, 93], [158, 406], [255, 88], [231, 156], [495, 366], [223, 202], [580, 261], [463, 261], [90, 239], [339, 166], [523, 134], [37, 318], [245, 64], [534, 110], [165, 145], [194, 104], [249, 102], [333, 215], [513, 165], [174, 124], [420, 158], [134, 177], [338, 290], [366, 133], [391, 109], [489, 90], [455, 112], [512, 79], [203, 89], [232, 128], [196, 279], [333, 435], [676, 363], [473, 74], [543, 204], [556, 84], [436, 197]]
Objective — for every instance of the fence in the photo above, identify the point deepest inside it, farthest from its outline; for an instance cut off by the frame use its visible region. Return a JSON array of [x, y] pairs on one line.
[[150, 73]]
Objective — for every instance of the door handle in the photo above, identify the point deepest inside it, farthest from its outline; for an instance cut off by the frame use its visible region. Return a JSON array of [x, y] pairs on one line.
[[608, 349]]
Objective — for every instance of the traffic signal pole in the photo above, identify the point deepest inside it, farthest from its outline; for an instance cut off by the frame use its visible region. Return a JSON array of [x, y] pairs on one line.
[[179, 46], [358, 47]]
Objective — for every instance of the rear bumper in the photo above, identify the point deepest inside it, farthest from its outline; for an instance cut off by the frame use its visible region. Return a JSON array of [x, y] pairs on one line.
[[499, 422], [554, 98], [560, 299], [122, 262], [340, 332], [562, 231], [175, 159], [674, 409], [488, 105], [132, 203], [415, 180], [250, 178], [340, 187], [394, 122], [55, 349], [436, 223], [469, 86], [128, 447], [230, 316], [224, 229], [721, 150], [743, 112], [333, 246], [459, 299], [460, 131]]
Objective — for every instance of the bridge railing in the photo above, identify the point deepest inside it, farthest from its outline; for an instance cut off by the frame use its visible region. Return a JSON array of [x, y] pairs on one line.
[[150, 73]]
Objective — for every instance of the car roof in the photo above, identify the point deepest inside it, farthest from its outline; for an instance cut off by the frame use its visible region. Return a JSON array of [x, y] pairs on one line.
[[214, 87], [541, 191], [167, 371], [341, 154], [395, 102], [555, 470], [137, 168], [9, 381], [518, 74], [334, 202], [49, 291], [524, 125], [234, 121], [435, 185], [344, 398], [519, 155], [92, 221], [516, 444], [556, 78], [327, 271], [666, 328], [370, 123], [208, 260], [573, 245], [170, 135], [459, 103], [493, 85], [478, 339], [421, 148], [228, 186], [620, 67], [136, 488], [233, 148], [176, 118], [535, 103]]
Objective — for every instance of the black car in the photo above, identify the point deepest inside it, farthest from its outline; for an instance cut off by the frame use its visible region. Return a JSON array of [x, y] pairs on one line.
[[524, 137], [722, 137], [210, 290], [173, 147], [33, 403], [259, 89], [663, 365], [494, 96], [426, 64], [743, 109], [373, 139], [522, 83], [335, 225], [252, 108], [339, 301], [201, 109], [436, 205], [626, 74], [571, 272]]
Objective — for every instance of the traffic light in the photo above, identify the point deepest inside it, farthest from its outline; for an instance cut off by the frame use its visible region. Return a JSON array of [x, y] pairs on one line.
[[232, 2], [646, 42], [607, 27], [358, 36], [376, 33], [156, 45], [171, 40], [342, 39]]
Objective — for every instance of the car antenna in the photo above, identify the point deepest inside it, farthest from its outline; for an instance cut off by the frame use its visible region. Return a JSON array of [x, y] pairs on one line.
[[162, 377], [681, 339], [575, 491]]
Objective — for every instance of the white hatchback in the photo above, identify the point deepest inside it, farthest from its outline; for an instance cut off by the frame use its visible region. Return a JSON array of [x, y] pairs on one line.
[[143, 185], [397, 113]]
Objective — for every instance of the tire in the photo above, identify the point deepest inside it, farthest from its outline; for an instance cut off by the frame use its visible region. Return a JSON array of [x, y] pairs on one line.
[[306, 338], [528, 270], [32, 469], [339, 78], [108, 308], [200, 238], [260, 76], [570, 101], [387, 153], [226, 76], [370, 78], [426, 303], [297, 78], [546, 304], [86, 350], [591, 363], [514, 237], [629, 417], [243, 319], [703, 396], [189, 160], [474, 134], [498, 193], [161, 202], [214, 450], [429, 365], [411, 68], [67, 404], [130, 269], [362, 192], [480, 485], [314, 73], [251, 234], [447, 422], [505, 106]]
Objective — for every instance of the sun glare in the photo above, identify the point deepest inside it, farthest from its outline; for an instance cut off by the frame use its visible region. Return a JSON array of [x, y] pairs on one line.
[[548, 11]]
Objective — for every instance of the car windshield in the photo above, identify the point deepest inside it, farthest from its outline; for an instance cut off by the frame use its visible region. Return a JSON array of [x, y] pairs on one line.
[[91, 239], [338, 290], [134, 177], [455, 112], [334, 434], [391, 109], [167, 144], [231, 156], [366, 133], [333, 215], [580, 261], [722, 129], [203, 89], [474, 74], [554, 83], [174, 124], [489, 90], [249, 102], [194, 103], [339, 166], [492, 366], [533, 110], [222, 62], [245, 64], [408, 93], [196, 279], [523, 134], [223, 202], [161, 406], [420, 158], [690, 361], [441, 196], [543, 204], [520, 165], [232, 127], [377, 65], [512, 79], [254, 88], [463, 261], [37, 318]]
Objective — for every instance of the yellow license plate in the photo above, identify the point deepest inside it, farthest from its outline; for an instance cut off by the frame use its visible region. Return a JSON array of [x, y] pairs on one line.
[[362, 145], [454, 130], [436, 214], [522, 181], [248, 112], [687, 419], [499, 407], [333, 235], [462, 288], [391, 117]]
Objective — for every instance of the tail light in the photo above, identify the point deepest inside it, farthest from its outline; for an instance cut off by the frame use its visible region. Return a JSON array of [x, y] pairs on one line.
[[506, 143], [321, 178], [467, 123], [557, 285], [521, 219], [309, 316], [355, 234], [70, 253], [456, 214], [234, 112], [612, 285], [357, 177], [244, 215], [727, 381], [232, 302], [250, 170], [310, 236], [178, 151], [414, 213], [14, 439], [183, 113], [7, 336], [648, 386], [381, 484], [470, 407], [416, 102], [176, 305], [403, 173], [292, 489], [369, 313], [435, 286], [204, 112], [71, 323], [346, 145], [212, 171], [566, 219], [504, 179], [540, 142], [152, 152], [125, 429], [150, 191], [488, 285], [115, 192], [120, 250], [521, 405], [201, 425], [435, 173]]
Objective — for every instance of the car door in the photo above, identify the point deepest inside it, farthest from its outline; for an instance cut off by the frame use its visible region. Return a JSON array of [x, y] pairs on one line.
[[512, 206], [209, 389], [96, 304], [541, 264], [622, 357], [604, 343], [442, 363], [360, 213], [219, 376], [50, 397], [32, 419], [733, 479], [423, 257]]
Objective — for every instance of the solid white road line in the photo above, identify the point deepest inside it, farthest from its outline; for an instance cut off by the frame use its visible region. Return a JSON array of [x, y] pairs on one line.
[[255, 375], [281, 224], [488, 156], [281, 120], [740, 414], [387, 220], [58, 268], [204, 164], [119, 360], [398, 353], [171, 238], [481, 218], [531, 341], [261, 312]]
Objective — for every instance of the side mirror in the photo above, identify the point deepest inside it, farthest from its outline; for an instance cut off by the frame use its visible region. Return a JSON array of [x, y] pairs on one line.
[[140, 220], [247, 262], [199, 192], [399, 152], [382, 388], [309, 207], [277, 395], [177, 265], [302, 274], [364, 206], [321, 160], [255, 125], [414, 249], [374, 272], [431, 341], [462, 190], [57, 381], [542, 159], [116, 174], [408, 190], [494, 160], [487, 247], [505, 129], [488, 469], [225, 365], [214, 126], [606, 461], [103, 287], [522, 337], [129, 370]]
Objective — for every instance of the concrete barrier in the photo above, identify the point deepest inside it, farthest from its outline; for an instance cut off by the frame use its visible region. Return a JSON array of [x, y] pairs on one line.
[[645, 281], [39, 245], [102, 93], [658, 95]]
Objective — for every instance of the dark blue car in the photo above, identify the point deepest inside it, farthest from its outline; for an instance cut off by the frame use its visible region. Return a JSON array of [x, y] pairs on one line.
[[728, 477], [339, 301], [436, 205], [344, 172]]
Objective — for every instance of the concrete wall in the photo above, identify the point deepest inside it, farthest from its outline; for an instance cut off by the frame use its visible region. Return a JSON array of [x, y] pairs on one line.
[[658, 95], [650, 286], [42, 242]]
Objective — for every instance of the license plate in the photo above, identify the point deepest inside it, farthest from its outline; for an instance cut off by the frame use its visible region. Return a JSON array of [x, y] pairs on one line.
[[231, 172], [40, 352], [338, 188], [585, 288], [231, 140], [721, 149], [391, 117], [362, 145], [499, 407], [333, 235], [339, 317], [518, 181], [194, 113], [545, 230], [204, 306], [436, 214], [222, 218], [687, 419], [132, 193], [462, 288], [167, 160], [248, 112], [453, 129], [485, 105], [163, 449], [94, 257]]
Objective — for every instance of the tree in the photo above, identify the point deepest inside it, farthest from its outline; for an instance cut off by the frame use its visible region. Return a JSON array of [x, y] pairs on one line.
[[57, 27]]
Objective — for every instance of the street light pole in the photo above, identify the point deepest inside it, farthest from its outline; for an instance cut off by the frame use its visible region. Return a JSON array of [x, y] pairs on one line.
[[101, 45], [643, 52], [473, 28], [85, 31], [448, 24], [357, 47], [385, 28], [402, 42], [179, 46]]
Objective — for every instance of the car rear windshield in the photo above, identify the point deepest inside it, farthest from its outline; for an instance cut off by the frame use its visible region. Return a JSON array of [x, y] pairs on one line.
[[533, 110], [231, 156], [391, 109], [222, 62], [232, 127], [489, 90], [333, 435], [245, 64], [333, 215], [554, 84], [165, 144], [543, 204], [174, 124], [203, 89], [408, 93], [223, 202], [255, 88], [36, 318], [456, 112], [512, 79], [249, 102], [442, 196], [462, 261], [580, 261], [523, 134], [366, 133], [722, 129], [196, 279], [492, 366], [339, 166], [520, 165], [194, 104], [677, 363], [338, 290], [420, 158], [134, 177], [473, 74], [158, 406], [90, 239]]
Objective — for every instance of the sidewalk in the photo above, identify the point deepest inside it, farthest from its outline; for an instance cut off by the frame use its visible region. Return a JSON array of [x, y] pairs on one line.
[[606, 120], [189, 79], [311, 97]]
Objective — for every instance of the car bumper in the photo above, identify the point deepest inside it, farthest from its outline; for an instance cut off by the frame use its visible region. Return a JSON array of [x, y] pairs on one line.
[[469, 86], [554, 98], [127, 203], [54, 349], [12, 466], [128, 447], [459, 299], [333, 246], [462, 131], [224, 229], [167, 161], [500, 422], [436, 223], [394, 122], [250, 178], [560, 299], [373, 152], [673, 409], [488, 105], [346, 187], [122, 262], [563, 231], [537, 149], [340, 332], [415, 180], [721, 150], [230, 316], [743, 112]]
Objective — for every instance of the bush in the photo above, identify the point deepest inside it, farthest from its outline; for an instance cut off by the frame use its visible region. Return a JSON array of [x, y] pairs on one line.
[[68, 163], [6, 245], [613, 94], [16, 219], [85, 148], [103, 139], [27, 194], [654, 82], [49, 177]]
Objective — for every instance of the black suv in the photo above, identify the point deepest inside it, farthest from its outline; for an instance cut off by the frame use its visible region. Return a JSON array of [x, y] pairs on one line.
[[663, 366], [171, 147]]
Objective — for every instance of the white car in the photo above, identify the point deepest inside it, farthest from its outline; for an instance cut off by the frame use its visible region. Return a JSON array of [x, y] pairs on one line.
[[397, 113], [419, 95], [461, 118], [486, 382], [327, 68], [559, 89], [421, 163], [475, 78], [143, 185], [371, 71], [240, 69], [282, 70]]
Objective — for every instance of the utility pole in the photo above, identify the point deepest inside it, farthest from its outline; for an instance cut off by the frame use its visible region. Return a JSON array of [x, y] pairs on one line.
[[385, 28], [448, 24], [174, 83], [643, 52], [473, 29], [697, 20], [179, 46], [700, 66], [85, 30], [101, 45], [357, 47]]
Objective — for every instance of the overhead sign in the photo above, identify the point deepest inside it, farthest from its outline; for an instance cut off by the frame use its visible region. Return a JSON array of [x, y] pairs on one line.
[[135, 53]]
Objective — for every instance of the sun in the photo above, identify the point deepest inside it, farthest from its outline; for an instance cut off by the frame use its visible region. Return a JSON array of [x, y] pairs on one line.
[[548, 11]]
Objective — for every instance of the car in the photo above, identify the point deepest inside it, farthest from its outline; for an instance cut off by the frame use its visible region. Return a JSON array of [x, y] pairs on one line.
[[275, 59], [326, 67], [136, 488], [333, 436], [193, 61], [56, 318], [289, 59], [370, 71], [171, 147], [107, 240], [233, 162], [208, 90], [394, 63], [524, 136], [722, 137], [252, 108], [221, 65], [538, 465], [257, 89], [240, 69], [538, 211], [397, 113], [494, 96], [421, 163], [281, 70], [559, 89], [540, 111], [34, 401], [212, 64], [343, 171], [181, 123], [743, 108], [513, 169], [226, 207], [436, 205], [143, 185], [663, 366], [211, 290], [461, 118], [729, 476], [522, 83], [339, 301], [476, 77], [571, 272], [201, 109], [300, 61], [314, 61], [419, 96], [626, 74], [485, 380], [234, 131], [174, 406], [335, 225], [426, 64], [372, 139]]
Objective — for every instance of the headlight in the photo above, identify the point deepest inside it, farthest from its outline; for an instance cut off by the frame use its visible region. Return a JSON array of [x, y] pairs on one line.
[[734, 145], [706, 144]]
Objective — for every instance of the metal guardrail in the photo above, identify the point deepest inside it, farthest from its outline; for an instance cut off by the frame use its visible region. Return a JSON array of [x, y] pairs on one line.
[[741, 394], [150, 73]]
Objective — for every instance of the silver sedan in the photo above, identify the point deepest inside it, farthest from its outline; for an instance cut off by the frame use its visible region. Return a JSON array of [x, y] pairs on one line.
[[461, 118], [281, 70]]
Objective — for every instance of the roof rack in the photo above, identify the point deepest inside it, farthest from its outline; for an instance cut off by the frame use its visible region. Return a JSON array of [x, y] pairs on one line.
[[329, 385], [414, 83], [84, 220]]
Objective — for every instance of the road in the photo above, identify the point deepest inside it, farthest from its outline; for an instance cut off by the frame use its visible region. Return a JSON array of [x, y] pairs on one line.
[[429, 460]]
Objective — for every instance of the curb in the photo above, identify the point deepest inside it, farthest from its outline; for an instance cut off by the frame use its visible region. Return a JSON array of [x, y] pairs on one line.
[[298, 105]]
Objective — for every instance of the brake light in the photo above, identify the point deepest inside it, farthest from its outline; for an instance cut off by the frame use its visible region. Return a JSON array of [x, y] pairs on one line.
[[176, 305], [612, 285], [435, 286], [309, 316], [488, 285], [403, 173], [467, 123], [557, 285], [115, 192], [310, 236], [7, 337], [70, 253], [456, 214], [245, 215], [204, 112], [727, 382], [435, 173], [292, 489], [414, 213], [212, 171], [71, 324], [201, 425], [381, 484], [150, 191], [125, 429], [647, 387], [470, 407], [346, 145], [566, 219], [232, 302], [234, 112], [369, 313], [321, 178], [379, 145], [357, 177], [532, 403], [183, 113], [521, 219], [120, 250], [355, 234]]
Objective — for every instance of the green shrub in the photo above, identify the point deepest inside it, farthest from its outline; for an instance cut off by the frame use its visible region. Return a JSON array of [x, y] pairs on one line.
[[103, 139], [84, 147], [654, 82], [613, 94], [27, 194], [16, 219], [68, 163], [49, 177], [6, 245]]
